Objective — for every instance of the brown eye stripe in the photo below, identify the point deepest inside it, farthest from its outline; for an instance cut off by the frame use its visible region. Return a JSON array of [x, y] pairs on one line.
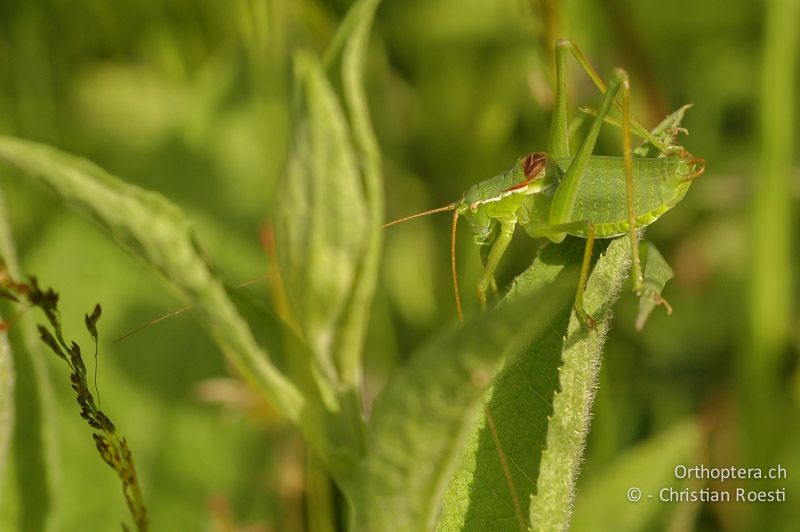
[[533, 164]]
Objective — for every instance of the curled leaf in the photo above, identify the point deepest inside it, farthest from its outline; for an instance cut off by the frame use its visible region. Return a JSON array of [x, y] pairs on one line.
[[321, 223]]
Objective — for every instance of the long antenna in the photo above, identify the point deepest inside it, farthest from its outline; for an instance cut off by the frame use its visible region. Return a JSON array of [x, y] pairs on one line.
[[451, 207], [420, 214], [179, 311]]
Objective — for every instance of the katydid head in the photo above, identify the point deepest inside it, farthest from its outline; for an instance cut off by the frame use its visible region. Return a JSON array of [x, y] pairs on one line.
[[501, 197], [491, 200], [524, 178]]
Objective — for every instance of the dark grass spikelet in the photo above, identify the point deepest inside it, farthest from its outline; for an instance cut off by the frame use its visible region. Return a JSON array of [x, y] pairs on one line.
[[112, 447]]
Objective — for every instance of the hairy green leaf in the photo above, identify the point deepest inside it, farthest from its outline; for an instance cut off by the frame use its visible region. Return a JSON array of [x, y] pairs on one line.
[[603, 503], [485, 490], [520, 405], [566, 432], [422, 419]]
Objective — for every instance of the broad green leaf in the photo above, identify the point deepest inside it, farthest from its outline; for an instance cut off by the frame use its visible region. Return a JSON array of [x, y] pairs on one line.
[[551, 506], [421, 421], [603, 504], [156, 231], [656, 274], [482, 494], [321, 221]]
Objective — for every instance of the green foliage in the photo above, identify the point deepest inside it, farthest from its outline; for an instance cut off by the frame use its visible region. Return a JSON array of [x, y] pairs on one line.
[[421, 420], [665, 132], [327, 224], [192, 101], [772, 284], [520, 405], [156, 231]]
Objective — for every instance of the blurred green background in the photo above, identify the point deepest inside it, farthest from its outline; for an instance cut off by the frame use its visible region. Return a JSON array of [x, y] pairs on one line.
[[192, 99]]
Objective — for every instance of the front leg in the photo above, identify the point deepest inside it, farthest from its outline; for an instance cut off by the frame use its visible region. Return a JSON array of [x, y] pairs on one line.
[[496, 253], [485, 250]]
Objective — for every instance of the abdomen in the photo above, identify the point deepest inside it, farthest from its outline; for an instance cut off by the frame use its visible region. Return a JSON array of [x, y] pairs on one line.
[[658, 183]]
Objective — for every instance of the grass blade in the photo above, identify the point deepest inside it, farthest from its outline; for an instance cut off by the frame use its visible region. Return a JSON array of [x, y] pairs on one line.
[[113, 447], [771, 279], [6, 370], [772, 286]]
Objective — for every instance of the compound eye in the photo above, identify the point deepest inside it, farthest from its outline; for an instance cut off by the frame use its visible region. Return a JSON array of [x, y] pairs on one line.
[[533, 164]]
